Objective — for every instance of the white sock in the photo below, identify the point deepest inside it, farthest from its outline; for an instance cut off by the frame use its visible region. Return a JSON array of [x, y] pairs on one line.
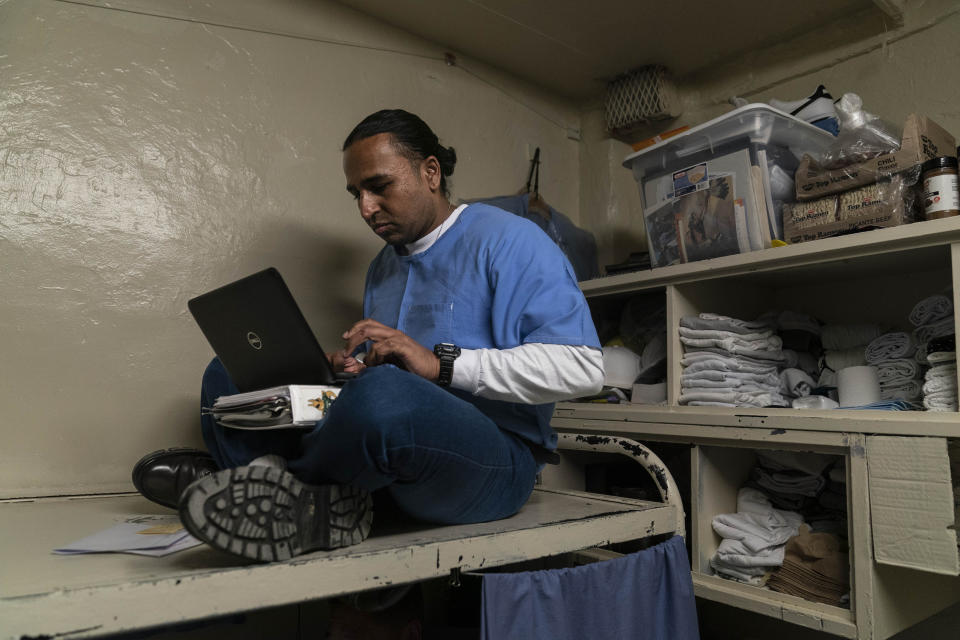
[[270, 460]]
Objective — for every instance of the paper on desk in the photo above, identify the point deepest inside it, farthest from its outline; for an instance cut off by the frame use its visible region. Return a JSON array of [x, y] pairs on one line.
[[135, 536]]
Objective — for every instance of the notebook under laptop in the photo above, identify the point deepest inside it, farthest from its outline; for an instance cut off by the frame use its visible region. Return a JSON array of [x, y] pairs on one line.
[[256, 328]]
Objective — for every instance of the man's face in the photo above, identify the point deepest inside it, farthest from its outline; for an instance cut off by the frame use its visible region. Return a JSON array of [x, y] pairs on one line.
[[396, 197]]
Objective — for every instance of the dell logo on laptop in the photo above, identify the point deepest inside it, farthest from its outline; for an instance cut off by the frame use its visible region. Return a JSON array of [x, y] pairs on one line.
[[254, 340]]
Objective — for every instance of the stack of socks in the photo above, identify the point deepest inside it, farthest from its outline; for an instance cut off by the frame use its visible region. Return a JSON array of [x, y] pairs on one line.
[[893, 356], [815, 567], [729, 363], [940, 381], [753, 538], [933, 318]]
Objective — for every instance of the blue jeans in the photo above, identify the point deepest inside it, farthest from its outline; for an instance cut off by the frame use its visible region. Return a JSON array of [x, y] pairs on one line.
[[440, 458]]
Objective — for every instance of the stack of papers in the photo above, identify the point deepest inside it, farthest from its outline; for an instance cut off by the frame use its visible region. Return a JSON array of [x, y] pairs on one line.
[[275, 408], [141, 535]]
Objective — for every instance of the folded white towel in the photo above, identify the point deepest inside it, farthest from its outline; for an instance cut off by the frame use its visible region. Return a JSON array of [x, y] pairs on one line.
[[714, 386], [910, 390], [938, 359], [940, 384], [734, 345], [717, 321], [710, 361], [889, 346], [705, 403], [845, 336], [739, 399], [748, 575], [757, 524], [755, 356], [932, 403], [930, 310], [927, 332], [899, 370], [733, 377], [945, 371], [734, 553], [715, 334]]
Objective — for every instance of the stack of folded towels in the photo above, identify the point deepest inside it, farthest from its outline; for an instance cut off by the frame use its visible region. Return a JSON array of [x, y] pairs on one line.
[[815, 567], [804, 483], [933, 318], [940, 381], [730, 363], [897, 369], [753, 538], [844, 346]]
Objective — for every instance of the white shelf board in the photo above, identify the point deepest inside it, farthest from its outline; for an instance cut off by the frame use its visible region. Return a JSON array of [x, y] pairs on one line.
[[928, 241], [637, 417], [46, 595], [812, 615]]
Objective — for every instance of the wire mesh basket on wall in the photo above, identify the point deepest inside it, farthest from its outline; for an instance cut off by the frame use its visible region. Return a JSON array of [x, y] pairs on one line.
[[639, 96]]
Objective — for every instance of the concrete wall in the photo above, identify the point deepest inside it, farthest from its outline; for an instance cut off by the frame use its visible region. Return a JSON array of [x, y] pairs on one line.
[[152, 151], [897, 70]]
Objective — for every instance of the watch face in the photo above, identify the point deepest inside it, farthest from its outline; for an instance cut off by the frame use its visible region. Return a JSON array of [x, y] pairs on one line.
[[446, 349]]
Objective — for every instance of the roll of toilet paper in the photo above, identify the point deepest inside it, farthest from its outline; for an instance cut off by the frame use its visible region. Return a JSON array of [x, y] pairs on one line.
[[857, 386]]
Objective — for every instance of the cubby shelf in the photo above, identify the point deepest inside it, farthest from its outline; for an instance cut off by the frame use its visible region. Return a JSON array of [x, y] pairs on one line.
[[822, 617], [870, 277], [630, 417], [925, 241]]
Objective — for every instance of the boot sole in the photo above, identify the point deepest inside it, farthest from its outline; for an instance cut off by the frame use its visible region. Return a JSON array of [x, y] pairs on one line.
[[265, 514]]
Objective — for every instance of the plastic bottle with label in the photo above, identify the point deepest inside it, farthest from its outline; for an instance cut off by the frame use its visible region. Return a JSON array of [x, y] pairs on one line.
[[941, 198]]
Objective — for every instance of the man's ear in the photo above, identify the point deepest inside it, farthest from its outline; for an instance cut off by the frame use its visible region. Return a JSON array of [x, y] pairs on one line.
[[431, 172]]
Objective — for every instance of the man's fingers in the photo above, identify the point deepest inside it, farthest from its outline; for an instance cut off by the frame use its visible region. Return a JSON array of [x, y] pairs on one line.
[[366, 330]]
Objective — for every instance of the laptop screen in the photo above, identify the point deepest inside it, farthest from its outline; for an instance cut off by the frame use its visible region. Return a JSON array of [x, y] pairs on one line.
[[256, 328]]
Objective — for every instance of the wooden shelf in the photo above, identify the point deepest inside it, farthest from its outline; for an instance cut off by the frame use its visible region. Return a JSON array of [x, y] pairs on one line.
[[822, 617], [923, 244], [912, 423]]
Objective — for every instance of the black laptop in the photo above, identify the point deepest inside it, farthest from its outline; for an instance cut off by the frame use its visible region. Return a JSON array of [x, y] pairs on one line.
[[256, 328]]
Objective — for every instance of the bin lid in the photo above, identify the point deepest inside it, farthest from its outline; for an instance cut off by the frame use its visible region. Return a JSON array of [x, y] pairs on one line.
[[760, 123]]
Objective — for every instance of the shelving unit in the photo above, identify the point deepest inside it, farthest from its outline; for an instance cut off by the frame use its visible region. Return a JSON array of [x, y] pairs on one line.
[[903, 546]]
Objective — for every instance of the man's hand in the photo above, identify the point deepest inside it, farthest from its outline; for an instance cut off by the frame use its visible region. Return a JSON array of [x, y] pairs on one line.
[[342, 361], [389, 347]]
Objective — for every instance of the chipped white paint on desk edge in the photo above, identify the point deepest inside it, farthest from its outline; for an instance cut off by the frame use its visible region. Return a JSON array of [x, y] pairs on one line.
[[123, 604]]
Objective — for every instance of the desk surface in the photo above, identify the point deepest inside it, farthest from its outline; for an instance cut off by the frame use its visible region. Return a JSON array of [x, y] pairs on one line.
[[89, 595]]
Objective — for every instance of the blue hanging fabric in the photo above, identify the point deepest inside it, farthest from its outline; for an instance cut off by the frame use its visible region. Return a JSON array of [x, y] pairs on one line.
[[647, 595]]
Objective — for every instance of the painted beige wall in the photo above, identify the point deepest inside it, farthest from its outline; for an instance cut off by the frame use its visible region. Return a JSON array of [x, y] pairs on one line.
[[896, 70], [148, 158]]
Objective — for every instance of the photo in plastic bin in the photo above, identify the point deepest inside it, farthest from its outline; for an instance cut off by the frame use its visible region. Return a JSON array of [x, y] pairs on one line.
[[662, 235], [706, 221]]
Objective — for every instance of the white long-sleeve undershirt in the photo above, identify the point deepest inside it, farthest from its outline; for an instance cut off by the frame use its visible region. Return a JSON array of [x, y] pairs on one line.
[[533, 373]]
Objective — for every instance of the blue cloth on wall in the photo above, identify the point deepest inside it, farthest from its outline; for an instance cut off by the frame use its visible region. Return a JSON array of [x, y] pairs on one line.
[[646, 595], [577, 244]]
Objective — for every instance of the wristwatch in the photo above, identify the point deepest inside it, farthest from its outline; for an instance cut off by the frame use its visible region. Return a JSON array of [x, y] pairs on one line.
[[446, 353]]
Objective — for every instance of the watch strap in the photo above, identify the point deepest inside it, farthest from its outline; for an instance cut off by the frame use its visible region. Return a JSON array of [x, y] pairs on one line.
[[446, 353]]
